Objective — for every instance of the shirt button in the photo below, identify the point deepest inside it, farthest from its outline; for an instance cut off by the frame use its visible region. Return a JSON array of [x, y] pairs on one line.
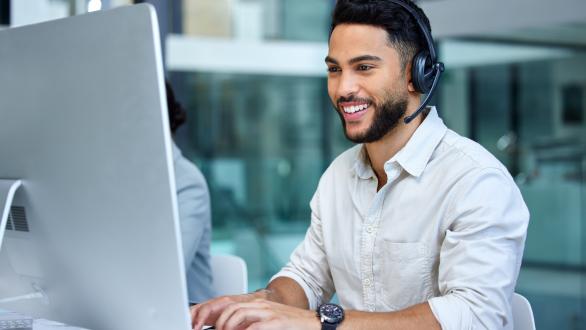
[[366, 282], [370, 229]]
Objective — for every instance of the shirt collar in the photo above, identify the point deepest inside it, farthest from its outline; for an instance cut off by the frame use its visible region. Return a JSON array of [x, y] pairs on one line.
[[415, 155], [362, 166]]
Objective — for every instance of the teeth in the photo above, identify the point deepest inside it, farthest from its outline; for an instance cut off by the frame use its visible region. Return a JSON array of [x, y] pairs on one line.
[[355, 108]]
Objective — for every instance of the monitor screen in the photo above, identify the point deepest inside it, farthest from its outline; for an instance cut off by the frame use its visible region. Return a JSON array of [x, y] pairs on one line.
[[93, 238]]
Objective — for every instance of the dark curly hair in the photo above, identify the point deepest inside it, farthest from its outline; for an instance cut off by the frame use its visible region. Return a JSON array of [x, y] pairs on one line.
[[177, 116], [404, 33]]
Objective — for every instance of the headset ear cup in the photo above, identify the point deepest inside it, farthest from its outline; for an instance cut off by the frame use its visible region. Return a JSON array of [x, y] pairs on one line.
[[421, 72]]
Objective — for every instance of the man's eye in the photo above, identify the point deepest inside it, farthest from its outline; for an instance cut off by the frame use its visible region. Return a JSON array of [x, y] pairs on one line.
[[364, 67], [333, 69]]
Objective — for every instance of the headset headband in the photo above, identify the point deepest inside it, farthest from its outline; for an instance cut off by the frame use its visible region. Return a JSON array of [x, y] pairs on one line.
[[422, 27]]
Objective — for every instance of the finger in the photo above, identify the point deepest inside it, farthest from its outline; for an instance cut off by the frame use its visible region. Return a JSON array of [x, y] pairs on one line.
[[193, 312], [208, 312], [243, 317], [199, 316], [228, 311]]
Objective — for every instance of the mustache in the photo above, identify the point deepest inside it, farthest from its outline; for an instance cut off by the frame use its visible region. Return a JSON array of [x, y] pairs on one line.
[[352, 99]]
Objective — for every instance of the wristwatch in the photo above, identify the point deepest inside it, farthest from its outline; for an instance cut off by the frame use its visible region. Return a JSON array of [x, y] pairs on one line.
[[330, 315]]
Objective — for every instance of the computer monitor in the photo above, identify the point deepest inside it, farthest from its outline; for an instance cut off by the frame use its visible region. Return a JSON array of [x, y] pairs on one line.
[[83, 123]]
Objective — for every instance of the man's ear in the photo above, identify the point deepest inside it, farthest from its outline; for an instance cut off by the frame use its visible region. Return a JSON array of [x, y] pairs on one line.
[[407, 75]]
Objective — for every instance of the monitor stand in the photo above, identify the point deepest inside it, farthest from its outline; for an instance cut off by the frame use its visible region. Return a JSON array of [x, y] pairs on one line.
[[7, 190]]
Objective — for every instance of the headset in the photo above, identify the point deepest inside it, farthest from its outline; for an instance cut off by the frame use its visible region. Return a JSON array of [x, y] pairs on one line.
[[425, 69]]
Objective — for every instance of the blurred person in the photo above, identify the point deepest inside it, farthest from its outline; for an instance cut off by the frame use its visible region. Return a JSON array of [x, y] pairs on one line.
[[193, 202], [415, 227]]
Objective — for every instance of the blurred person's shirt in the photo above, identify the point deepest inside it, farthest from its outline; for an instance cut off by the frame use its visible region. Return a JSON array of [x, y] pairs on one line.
[[193, 201]]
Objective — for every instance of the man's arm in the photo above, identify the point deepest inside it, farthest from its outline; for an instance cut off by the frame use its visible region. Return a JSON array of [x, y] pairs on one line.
[[260, 314], [481, 252], [286, 291], [283, 304], [419, 316]]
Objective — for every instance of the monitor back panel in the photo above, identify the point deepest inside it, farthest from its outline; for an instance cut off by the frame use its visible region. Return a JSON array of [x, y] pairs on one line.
[[83, 122]]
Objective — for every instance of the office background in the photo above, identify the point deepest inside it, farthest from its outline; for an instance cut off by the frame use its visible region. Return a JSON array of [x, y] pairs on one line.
[[261, 128]]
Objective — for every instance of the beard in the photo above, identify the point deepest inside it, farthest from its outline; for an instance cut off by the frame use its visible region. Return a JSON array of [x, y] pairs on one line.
[[386, 117]]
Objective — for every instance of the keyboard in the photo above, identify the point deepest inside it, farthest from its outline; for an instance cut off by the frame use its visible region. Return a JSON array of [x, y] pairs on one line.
[[17, 324], [15, 321]]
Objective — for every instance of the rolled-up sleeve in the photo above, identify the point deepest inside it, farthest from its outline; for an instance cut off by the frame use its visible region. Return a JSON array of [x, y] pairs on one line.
[[481, 253], [308, 265]]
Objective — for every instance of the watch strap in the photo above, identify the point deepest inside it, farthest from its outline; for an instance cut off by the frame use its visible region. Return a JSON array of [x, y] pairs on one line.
[[328, 326]]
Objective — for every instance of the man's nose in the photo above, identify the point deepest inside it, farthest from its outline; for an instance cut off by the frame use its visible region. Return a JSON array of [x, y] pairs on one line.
[[348, 86]]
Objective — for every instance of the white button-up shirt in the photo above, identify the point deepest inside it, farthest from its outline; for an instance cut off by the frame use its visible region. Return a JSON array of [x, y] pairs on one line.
[[448, 227]]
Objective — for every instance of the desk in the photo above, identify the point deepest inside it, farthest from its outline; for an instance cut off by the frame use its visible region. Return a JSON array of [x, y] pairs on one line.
[[42, 324], [37, 324]]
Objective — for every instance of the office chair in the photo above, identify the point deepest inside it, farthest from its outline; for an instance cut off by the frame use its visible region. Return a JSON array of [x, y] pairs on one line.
[[522, 313], [230, 275]]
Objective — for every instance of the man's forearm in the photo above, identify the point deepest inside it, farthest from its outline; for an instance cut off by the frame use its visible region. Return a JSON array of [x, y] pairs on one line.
[[418, 316], [286, 291]]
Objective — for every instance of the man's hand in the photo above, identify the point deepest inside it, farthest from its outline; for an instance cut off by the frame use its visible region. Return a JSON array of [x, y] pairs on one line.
[[261, 314], [207, 313], [281, 290]]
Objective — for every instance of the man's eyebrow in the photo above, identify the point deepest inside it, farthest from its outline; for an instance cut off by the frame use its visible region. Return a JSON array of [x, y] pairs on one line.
[[355, 60], [365, 58], [331, 60]]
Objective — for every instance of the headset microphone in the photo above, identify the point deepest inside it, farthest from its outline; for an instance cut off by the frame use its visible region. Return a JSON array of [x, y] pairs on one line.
[[439, 68]]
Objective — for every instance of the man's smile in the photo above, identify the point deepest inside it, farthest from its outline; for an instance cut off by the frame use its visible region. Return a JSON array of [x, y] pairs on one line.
[[353, 111]]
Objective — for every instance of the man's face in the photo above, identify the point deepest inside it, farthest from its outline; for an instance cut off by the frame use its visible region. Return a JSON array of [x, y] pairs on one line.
[[366, 83]]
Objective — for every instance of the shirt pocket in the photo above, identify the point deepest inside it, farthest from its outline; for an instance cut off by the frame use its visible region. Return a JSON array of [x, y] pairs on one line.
[[406, 274]]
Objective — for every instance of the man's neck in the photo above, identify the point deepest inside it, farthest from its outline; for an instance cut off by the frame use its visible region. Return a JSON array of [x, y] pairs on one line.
[[384, 149]]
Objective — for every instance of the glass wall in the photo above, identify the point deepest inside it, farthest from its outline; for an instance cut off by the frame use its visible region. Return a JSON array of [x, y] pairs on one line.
[[262, 140], [530, 114], [299, 20], [259, 141]]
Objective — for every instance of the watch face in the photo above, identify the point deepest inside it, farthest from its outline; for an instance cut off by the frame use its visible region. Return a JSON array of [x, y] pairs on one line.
[[331, 313]]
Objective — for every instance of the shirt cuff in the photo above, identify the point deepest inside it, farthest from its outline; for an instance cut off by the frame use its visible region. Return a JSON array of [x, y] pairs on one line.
[[451, 312], [311, 298]]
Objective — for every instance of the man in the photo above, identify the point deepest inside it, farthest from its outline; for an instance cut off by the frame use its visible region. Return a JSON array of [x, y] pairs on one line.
[[193, 203], [413, 228]]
